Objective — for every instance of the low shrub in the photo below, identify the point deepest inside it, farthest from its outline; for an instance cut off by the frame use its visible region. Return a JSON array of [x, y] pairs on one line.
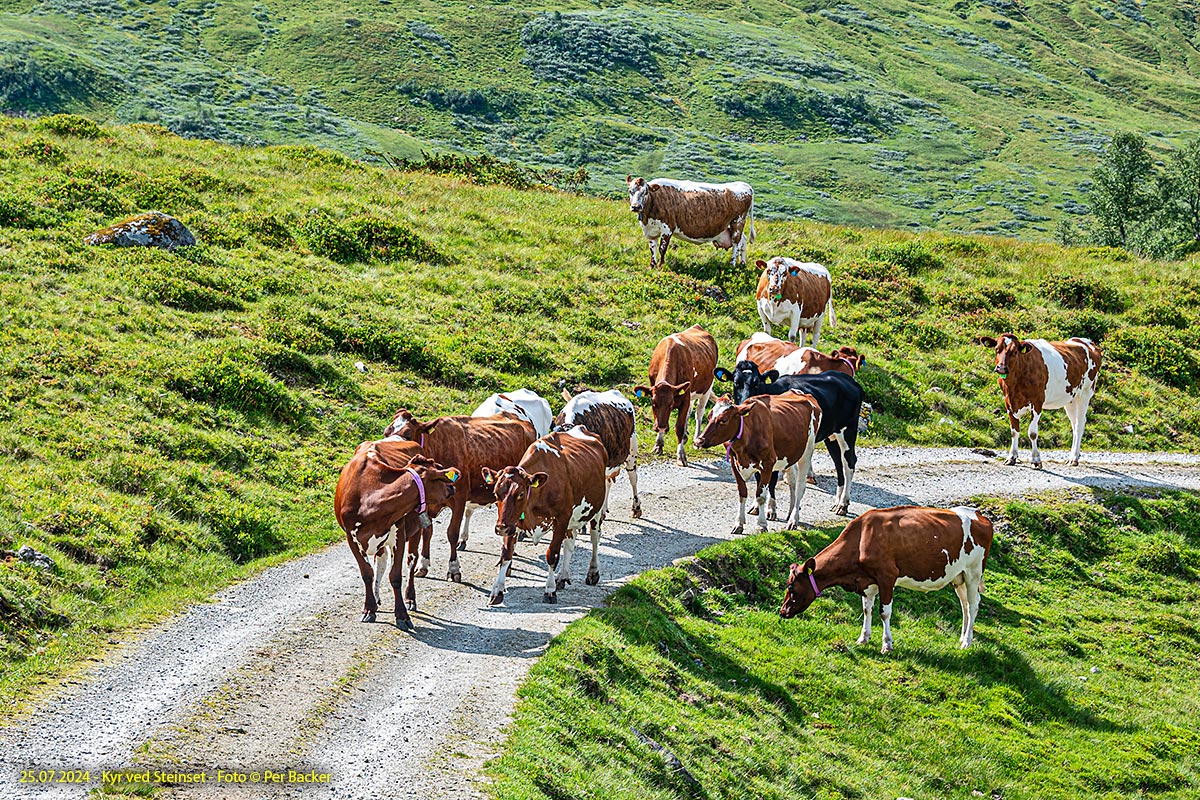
[[42, 150], [1072, 291], [160, 194], [75, 194], [1154, 352], [70, 125], [911, 256], [20, 212], [1159, 556], [362, 238], [245, 531], [232, 380], [314, 156]]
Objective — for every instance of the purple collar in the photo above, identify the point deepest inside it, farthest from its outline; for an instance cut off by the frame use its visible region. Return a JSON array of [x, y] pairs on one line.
[[813, 581], [729, 444], [420, 487], [850, 364]]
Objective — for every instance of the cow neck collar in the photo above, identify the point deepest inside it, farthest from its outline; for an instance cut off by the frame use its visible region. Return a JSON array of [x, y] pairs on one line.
[[813, 580], [729, 444], [420, 488], [849, 364]]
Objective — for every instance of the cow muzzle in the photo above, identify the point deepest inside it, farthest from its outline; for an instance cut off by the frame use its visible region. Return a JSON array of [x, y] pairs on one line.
[[1002, 370]]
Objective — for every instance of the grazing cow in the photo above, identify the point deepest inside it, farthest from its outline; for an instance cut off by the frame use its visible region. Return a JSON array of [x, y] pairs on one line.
[[560, 482], [1036, 374], [910, 546], [386, 495], [527, 405], [468, 443], [610, 417], [796, 294], [841, 401], [789, 358], [721, 213], [681, 373], [762, 435]]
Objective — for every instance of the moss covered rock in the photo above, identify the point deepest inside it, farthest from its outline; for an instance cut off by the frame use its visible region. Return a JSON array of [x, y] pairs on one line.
[[152, 229]]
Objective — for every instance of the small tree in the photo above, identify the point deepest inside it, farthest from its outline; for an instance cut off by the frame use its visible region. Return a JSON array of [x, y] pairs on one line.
[[1123, 191], [1180, 188]]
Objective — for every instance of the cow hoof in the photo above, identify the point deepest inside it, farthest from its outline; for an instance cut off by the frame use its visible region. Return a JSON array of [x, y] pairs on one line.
[[368, 616], [522, 536], [1074, 463], [405, 624], [454, 576], [561, 582], [411, 605], [550, 598], [863, 640], [810, 480], [683, 462], [636, 513], [753, 512], [772, 516], [1037, 465], [657, 451], [842, 510], [1012, 462], [736, 531], [421, 573], [887, 648], [592, 578], [462, 545]]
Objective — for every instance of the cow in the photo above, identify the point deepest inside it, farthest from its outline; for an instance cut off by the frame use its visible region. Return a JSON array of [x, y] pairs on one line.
[[762, 435], [1035, 375], [681, 374], [468, 443], [841, 401], [797, 294], [721, 213], [386, 495], [789, 358], [526, 404], [610, 417], [909, 546], [559, 482]]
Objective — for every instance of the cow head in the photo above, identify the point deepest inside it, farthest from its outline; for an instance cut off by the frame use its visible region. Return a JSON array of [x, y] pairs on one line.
[[514, 488], [405, 426], [777, 275], [437, 481], [639, 190], [747, 380], [799, 594], [850, 355], [664, 398], [1008, 349], [724, 423]]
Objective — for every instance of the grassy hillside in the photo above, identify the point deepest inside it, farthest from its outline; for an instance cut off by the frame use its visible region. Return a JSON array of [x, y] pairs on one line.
[[1079, 684], [174, 420], [981, 116]]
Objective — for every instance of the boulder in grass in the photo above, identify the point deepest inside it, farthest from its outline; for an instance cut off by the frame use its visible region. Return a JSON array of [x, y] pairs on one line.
[[152, 229]]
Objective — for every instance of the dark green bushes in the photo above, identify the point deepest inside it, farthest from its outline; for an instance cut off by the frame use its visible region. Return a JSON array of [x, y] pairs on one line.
[[70, 125], [233, 379], [363, 238], [1155, 352], [1072, 291]]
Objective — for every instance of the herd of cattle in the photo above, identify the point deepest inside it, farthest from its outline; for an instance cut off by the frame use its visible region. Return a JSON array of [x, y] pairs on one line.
[[553, 474]]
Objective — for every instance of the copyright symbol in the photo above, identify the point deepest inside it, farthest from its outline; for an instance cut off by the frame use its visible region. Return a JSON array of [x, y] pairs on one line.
[[255, 777]]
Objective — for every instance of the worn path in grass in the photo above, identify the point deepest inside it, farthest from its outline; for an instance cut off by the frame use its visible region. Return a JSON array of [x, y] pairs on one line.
[[277, 673]]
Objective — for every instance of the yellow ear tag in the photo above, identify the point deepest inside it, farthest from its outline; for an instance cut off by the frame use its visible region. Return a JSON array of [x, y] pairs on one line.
[[452, 474]]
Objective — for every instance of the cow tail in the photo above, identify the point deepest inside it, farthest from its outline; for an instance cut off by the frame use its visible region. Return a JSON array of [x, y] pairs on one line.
[[750, 220], [829, 308]]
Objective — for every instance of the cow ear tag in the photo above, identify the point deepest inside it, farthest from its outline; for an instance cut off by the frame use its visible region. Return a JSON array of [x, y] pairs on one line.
[[487, 479], [452, 474], [536, 482], [794, 272], [638, 393], [681, 392]]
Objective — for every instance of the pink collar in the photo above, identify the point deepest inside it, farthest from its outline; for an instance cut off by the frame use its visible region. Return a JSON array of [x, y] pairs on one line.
[[420, 487], [849, 364], [729, 444], [813, 581]]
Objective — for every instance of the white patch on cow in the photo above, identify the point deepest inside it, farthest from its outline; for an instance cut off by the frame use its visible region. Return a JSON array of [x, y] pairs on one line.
[[756, 338], [546, 447], [374, 543], [580, 514], [804, 266], [585, 401], [674, 337], [524, 403], [1057, 393], [958, 563], [739, 189], [579, 433], [793, 363]]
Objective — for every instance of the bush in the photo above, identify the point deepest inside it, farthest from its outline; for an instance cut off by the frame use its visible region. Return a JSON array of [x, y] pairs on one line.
[[202, 180], [266, 228], [43, 150], [314, 156], [174, 282], [1159, 556], [74, 194], [233, 380], [244, 531], [18, 212], [1072, 291], [1088, 324], [1153, 352], [363, 238], [160, 194], [891, 394], [911, 256], [70, 125]]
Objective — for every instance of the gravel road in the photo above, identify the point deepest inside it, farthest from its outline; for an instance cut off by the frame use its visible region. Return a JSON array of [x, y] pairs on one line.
[[277, 673]]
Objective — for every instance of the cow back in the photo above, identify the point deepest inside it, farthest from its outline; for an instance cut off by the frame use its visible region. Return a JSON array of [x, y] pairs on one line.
[[368, 481], [839, 396], [698, 210], [689, 355], [574, 462], [608, 415], [917, 542], [471, 443]]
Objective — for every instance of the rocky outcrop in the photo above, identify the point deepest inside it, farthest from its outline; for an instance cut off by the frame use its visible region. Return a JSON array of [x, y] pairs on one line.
[[152, 229]]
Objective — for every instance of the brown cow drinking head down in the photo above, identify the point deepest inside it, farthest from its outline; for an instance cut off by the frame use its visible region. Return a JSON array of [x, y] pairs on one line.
[[1007, 348], [801, 589], [665, 398], [513, 487]]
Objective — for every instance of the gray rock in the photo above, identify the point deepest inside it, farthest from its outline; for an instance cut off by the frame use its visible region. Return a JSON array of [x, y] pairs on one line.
[[152, 229], [31, 556]]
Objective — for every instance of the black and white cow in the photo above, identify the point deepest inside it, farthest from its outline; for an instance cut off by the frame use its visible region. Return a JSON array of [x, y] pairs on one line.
[[841, 400]]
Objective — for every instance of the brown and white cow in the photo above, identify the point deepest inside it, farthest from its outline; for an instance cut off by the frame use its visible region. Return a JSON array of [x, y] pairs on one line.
[[721, 213], [681, 374], [559, 483], [789, 358], [468, 443], [909, 546], [796, 294], [1036, 375], [386, 495], [764, 434], [610, 417]]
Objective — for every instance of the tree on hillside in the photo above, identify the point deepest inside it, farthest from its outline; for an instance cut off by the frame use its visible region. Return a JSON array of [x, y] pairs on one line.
[[1123, 192], [1180, 188]]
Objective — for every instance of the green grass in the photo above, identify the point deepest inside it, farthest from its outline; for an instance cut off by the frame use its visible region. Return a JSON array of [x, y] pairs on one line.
[[984, 117], [1079, 684], [174, 421]]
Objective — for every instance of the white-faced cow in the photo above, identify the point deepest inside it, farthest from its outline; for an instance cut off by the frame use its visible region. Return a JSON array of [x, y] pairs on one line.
[[721, 213], [681, 374], [610, 417], [912, 547], [386, 496], [762, 435], [559, 483], [526, 404], [1036, 375], [468, 443], [841, 401], [796, 294]]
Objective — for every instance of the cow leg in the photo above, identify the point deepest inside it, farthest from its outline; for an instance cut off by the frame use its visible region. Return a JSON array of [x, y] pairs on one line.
[[507, 548], [742, 492], [653, 252], [370, 604], [457, 512], [1033, 443], [701, 407], [960, 589], [659, 438], [562, 574], [795, 493], [794, 328], [760, 494], [382, 566], [593, 573], [974, 585], [465, 533], [885, 614], [816, 330], [663, 243], [681, 430], [844, 460], [552, 555], [772, 512], [1077, 412], [397, 577], [868, 608], [1013, 421], [631, 471]]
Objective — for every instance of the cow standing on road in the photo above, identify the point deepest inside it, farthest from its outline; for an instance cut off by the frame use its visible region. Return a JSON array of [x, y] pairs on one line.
[[721, 213], [797, 294], [609, 416], [1036, 375], [681, 374]]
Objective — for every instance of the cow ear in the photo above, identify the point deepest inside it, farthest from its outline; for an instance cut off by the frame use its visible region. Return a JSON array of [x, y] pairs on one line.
[[641, 392], [489, 477], [793, 272], [770, 376], [566, 396], [654, 187], [793, 570], [682, 388], [810, 566], [451, 475], [760, 264], [745, 408], [986, 341], [722, 374], [1025, 347], [628, 179], [537, 479]]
